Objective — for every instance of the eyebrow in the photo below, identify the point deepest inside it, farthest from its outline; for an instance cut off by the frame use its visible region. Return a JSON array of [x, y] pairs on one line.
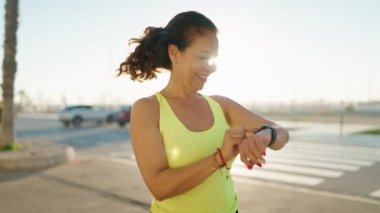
[[206, 51]]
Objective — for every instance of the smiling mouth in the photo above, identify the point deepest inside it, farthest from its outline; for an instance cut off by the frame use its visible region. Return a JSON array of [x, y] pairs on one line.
[[203, 77]]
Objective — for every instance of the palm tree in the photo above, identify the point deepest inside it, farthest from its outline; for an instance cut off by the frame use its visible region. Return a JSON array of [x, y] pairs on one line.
[[9, 71]]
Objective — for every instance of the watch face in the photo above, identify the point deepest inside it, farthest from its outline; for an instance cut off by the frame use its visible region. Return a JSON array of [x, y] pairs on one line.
[[273, 133]]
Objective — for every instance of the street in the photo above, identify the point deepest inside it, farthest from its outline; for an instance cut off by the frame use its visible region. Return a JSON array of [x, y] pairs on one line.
[[347, 172]]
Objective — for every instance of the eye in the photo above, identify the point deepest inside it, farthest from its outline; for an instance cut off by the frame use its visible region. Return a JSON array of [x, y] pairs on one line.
[[203, 57]]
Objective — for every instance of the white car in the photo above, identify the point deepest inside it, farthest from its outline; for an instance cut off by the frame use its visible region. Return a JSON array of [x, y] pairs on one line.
[[77, 114]]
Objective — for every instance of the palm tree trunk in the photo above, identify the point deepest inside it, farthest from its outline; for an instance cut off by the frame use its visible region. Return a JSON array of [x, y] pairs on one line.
[[9, 71]]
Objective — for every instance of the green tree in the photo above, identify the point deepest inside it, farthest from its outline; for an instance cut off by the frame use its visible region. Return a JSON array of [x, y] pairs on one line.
[[7, 135]]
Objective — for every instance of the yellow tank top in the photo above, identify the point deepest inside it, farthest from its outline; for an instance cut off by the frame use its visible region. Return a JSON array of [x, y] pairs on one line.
[[216, 194]]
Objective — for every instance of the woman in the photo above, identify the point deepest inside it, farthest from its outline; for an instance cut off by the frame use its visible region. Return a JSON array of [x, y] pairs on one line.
[[180, 137]]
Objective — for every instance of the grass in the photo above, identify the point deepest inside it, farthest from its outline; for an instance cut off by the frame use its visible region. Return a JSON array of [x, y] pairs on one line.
[[371, 132], [11, 147]]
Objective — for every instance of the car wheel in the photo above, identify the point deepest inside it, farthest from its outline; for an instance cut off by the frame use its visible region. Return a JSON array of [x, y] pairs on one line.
[[77, 121], [122, 123], [109, 119], [66, 124]]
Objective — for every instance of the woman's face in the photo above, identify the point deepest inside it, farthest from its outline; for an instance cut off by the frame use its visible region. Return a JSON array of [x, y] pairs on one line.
[[197, 62]]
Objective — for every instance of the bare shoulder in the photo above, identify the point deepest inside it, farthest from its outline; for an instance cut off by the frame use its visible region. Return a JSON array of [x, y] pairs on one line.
[[149, 101], [223, 101], [146, 107], [238, 115]]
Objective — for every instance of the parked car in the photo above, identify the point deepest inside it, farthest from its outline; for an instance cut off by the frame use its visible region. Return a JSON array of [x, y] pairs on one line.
[[123, 115], [76, 114]]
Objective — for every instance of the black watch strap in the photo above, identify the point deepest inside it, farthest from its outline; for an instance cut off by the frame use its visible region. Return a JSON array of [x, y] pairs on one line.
[[273, 133]]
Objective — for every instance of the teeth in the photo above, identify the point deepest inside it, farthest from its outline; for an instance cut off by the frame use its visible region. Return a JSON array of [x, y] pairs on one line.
[[203, 77]]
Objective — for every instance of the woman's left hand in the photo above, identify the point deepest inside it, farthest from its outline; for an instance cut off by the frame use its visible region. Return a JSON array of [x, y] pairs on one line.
[[253, 147]]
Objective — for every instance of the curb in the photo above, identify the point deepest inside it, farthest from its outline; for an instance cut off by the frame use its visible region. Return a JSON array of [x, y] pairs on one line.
[[36, 156], [43, 116]]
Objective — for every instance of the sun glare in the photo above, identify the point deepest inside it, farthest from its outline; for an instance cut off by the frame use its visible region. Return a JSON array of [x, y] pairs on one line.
[[213, 61]]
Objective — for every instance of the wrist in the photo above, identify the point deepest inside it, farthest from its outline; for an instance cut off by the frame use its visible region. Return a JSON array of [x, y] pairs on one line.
[[220, 157], [216, 161], [267, 136], [271, 135]]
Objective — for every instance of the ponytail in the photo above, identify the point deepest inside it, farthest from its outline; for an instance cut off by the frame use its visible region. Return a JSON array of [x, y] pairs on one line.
[[150, 54]]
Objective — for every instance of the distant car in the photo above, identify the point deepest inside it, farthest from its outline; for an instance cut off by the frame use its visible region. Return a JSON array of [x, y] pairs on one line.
[[76, 114], [123, 115]]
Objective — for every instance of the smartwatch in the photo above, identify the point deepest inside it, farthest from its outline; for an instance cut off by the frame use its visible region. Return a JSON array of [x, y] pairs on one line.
[[273, 133]]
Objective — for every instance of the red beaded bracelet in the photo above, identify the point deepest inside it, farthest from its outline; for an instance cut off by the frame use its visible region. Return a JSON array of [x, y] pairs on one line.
[[221, 156], [219, 151]]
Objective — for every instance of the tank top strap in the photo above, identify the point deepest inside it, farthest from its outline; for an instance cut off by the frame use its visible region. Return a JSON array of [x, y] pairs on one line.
[[216, 110], [165, 112]]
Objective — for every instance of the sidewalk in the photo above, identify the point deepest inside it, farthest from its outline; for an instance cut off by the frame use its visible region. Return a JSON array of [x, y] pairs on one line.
[[102, 185], [83, 185]]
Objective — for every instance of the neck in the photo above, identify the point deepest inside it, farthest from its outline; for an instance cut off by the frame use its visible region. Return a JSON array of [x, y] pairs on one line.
[[177, 89]]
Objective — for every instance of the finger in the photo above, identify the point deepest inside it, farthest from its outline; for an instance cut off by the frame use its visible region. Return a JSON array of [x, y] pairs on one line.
[[236, 129], [236, 150], [233, 131], [249, 133], [237, 133], [243, 155], [252, 146], [260, 144], [251, 157], [254, 151], [251, 129], [235, 143], [247, 152], [262, 161], [244, 159]]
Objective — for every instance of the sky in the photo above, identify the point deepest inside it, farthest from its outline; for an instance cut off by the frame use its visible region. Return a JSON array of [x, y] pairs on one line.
[[275, 51]]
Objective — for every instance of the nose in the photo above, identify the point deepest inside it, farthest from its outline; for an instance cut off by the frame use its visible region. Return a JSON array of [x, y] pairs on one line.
[[212, 65]]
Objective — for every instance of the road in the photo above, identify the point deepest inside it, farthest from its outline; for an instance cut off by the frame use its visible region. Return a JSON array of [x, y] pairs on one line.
[[345, 171]]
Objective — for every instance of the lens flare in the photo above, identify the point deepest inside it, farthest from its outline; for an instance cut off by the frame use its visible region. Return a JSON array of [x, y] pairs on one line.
[[212, 61]]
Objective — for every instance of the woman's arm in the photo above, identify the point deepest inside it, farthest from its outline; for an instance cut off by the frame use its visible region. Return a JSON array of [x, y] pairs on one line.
[[149, 150], [239, 116], [253, 147]]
